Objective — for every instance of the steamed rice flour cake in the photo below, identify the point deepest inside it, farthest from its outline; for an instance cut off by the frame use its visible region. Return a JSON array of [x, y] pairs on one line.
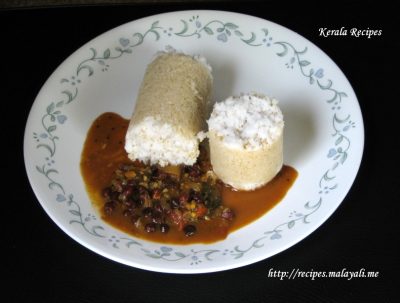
[[170, 110], [246, 140]]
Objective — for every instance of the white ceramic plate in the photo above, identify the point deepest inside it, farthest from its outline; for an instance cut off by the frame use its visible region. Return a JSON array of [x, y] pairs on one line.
[[324, 133]]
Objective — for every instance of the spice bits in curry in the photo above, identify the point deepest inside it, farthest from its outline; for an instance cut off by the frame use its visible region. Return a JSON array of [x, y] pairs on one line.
[[158, 199]]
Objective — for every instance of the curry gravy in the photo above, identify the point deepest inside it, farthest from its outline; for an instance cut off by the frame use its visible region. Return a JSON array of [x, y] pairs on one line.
[[104, 151]]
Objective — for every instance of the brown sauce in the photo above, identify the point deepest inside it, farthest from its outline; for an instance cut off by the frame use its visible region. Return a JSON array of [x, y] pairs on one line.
[[251, 205], [104, 151]]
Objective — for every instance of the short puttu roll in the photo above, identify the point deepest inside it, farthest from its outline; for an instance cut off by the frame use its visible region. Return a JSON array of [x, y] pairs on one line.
[[246, 140], [171, 108]]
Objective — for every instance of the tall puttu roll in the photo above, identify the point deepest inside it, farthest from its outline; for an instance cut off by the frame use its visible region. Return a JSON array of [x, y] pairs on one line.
[[170, 110], [246, 140]]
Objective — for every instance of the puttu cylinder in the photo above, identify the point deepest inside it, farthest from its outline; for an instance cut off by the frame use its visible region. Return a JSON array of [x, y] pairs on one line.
[[170, 110], [246, 140]]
